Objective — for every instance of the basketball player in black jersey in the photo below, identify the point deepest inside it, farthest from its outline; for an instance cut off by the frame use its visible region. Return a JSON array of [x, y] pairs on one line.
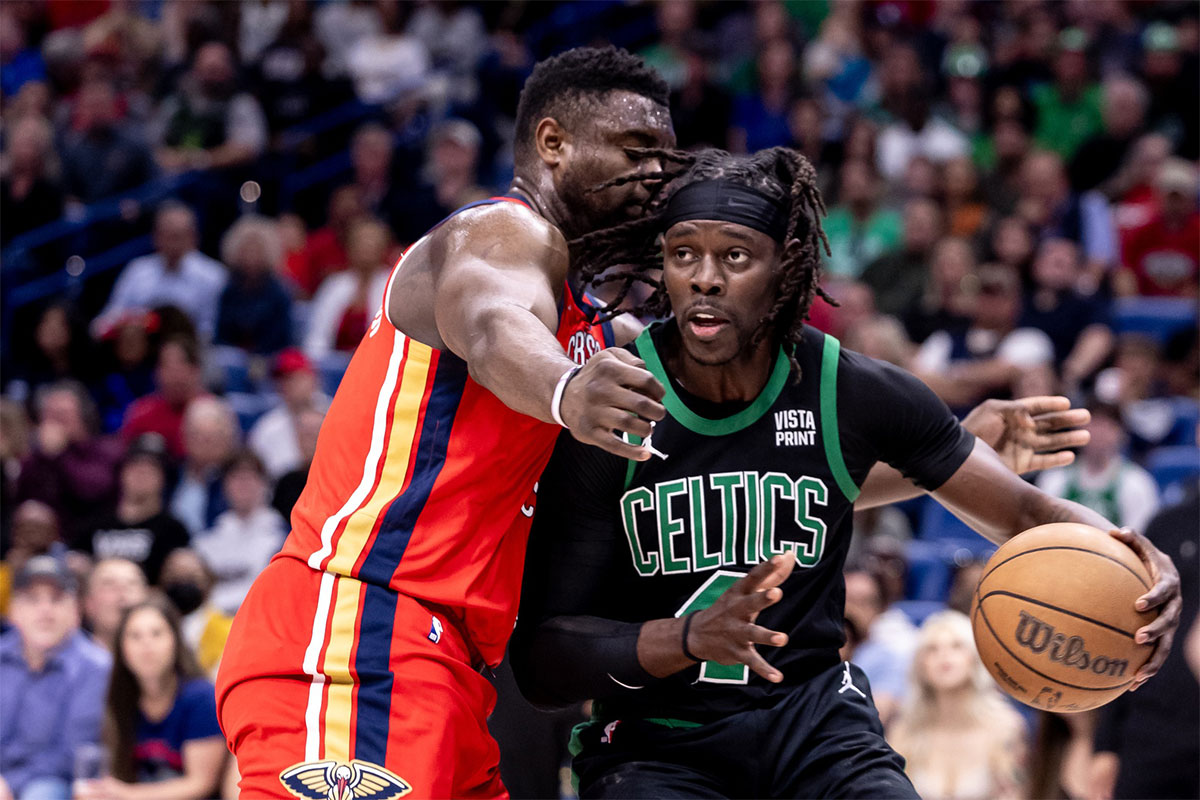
[[650, 584]]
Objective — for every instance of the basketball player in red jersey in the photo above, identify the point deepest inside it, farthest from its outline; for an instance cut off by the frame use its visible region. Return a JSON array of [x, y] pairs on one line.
[[353, 665], [354, 662]]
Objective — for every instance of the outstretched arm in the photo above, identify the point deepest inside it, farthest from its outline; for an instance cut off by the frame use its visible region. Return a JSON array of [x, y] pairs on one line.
[[1030, 434], [496, 307]]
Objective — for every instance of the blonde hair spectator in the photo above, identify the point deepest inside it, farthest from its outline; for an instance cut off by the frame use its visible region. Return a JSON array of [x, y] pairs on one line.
[[959, 736], [253, 228]]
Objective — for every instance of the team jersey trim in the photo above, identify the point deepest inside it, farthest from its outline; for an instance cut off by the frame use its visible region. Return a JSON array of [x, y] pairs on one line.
[[702, 425], [829, 425]]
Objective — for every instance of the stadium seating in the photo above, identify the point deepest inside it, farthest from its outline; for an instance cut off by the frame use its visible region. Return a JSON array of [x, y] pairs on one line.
[[1157, 317], [1172, 465]]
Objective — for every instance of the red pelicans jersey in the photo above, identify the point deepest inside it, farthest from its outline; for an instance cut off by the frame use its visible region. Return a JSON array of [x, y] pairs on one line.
[[425, 482]]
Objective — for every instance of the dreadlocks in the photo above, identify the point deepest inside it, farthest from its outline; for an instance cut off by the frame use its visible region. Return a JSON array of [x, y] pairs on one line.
[[631, 253]]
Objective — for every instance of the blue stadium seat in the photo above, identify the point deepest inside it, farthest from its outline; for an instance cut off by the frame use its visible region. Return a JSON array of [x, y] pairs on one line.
[[1187, 417], [1171, 465], [918, 611], [938, 523], [249, 406], [1158, 317], [331, 368], [233, 367], [931, 564]]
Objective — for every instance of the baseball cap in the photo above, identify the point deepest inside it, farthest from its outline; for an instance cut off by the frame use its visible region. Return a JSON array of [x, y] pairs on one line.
[[965, 61], [290, 361], [1160, 37], [459, 131], [148, 445], [45, 568]]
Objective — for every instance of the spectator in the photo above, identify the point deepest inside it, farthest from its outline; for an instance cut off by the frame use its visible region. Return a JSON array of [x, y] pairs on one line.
[[1077, 324], [390, 64], [917, 133], [898, 279], [291, 484], [255, 311], [1069, 109], [72, 468], [275, 438], [188, 582], [245, 537], [374, 179], [806, 123], [965, 67], [21, 63], [966, 211], [102, 157], [207, 122], [344, 305], [34, 533], [209, 437], [176, 274], [178, 378], [1012, 244], [449, 181], [456, 38], [1169, 79], [965, 366], [60, 349], [1134, 384], [140, 530], [1055, 212], [957, 734], [1133, 189], [1100, 157], [126, 356], [113, 585], [859, 229], [1103, 479], [341, 27], [324, 250], [760, 118], [1162, 258], [886, 645], [1148, 742], [29, 191], [52, 682], [948, 299], [161, 715]]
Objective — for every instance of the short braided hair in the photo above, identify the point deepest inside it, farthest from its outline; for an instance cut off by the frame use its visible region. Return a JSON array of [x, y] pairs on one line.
[[631, 252]]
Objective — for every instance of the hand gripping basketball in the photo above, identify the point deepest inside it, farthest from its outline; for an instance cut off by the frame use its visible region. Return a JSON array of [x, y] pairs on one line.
[[1164, 593], [613, 395]]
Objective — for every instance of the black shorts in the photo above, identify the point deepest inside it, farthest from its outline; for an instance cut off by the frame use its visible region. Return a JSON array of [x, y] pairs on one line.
[[823, 739]]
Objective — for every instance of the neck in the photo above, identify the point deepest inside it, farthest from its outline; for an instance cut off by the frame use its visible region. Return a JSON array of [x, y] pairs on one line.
[[35, 658], [951, 705], [134, 509], [159, 689], [539, 192], [739, 380]]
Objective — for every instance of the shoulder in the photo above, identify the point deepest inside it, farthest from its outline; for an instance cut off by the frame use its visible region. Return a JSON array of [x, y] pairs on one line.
[[626, 328], [90, 654], [204, 267], [142, 265], [501, 231]]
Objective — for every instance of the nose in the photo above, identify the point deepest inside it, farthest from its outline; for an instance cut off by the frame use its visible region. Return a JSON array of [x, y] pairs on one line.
[[707, 279]]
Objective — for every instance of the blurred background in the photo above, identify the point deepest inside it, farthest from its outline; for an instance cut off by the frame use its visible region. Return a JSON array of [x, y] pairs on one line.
[[200, 203]]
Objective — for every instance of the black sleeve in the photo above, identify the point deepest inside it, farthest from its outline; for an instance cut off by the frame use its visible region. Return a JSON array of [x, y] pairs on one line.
[[562, 651], [887, 414]]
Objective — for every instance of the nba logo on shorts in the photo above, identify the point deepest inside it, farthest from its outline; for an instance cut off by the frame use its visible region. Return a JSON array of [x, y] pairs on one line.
[[435, 630], [609, 729]]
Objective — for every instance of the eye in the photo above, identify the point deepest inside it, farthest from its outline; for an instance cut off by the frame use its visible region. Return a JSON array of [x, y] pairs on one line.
[[681, 254], [737, 256]]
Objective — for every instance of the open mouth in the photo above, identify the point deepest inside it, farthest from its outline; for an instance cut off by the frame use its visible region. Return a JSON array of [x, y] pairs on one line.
[[706, 325]]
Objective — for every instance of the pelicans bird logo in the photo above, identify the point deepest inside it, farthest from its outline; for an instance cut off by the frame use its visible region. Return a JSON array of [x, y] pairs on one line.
[[332, 780]]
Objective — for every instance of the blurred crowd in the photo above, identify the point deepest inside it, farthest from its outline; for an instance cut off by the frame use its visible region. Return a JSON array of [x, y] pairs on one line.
[[201, 202]]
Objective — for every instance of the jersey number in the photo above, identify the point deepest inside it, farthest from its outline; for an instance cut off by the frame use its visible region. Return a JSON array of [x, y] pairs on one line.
[[705, 596]]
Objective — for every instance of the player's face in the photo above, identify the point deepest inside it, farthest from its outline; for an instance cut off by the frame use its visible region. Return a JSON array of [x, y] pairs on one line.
[[722, 278], [598, 153]]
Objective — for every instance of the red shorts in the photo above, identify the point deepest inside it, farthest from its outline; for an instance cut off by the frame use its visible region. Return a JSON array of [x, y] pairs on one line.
[[326, 678]]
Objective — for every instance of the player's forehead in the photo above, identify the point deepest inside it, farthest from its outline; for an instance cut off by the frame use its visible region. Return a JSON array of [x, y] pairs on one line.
[[625, 114], [717, 231]]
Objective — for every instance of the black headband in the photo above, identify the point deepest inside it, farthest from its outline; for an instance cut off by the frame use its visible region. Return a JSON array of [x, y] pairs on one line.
[[728, 201]]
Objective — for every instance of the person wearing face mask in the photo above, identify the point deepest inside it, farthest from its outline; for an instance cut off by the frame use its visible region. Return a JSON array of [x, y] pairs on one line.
[[959, 737], [187, 581], [161, 719]]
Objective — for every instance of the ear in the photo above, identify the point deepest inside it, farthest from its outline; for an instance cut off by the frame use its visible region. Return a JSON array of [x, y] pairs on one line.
[[552, 140]]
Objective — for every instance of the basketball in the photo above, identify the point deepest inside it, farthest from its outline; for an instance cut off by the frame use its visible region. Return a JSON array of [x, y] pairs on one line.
[[1054, 619]]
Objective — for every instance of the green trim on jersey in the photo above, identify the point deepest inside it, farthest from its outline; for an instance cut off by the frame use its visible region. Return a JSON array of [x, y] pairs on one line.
[[713, 427], [829, 424]]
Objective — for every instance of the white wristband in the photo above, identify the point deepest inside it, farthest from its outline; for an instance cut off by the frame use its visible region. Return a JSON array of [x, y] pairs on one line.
[[556, 400]]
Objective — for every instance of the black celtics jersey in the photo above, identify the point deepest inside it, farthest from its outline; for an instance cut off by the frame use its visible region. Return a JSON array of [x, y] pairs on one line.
[[616, 543]]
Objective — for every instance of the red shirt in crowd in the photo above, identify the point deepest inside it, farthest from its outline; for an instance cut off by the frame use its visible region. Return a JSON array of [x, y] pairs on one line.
[[1165, 261], [154, 414]]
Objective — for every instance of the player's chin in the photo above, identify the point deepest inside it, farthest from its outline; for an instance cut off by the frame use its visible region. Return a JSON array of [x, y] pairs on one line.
[[711, 351]]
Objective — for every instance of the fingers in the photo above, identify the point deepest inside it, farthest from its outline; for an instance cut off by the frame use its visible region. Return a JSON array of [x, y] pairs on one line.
[[756, 662], [1049, 460], [1059, 441], [1162, 569], [1044, 404], [1059, 420], [769, 574], [1164, 624], [757, 634], [1151, 667], [629, 370], [616, 445]]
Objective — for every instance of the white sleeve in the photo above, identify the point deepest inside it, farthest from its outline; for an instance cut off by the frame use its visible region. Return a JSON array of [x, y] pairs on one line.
[[118, 301], [1053, 481], [934, 353], [325, 312], [1137, 497]]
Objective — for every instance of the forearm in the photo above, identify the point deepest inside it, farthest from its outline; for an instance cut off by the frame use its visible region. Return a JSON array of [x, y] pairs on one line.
[[515, 356], [885, 485], [569, 659]]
